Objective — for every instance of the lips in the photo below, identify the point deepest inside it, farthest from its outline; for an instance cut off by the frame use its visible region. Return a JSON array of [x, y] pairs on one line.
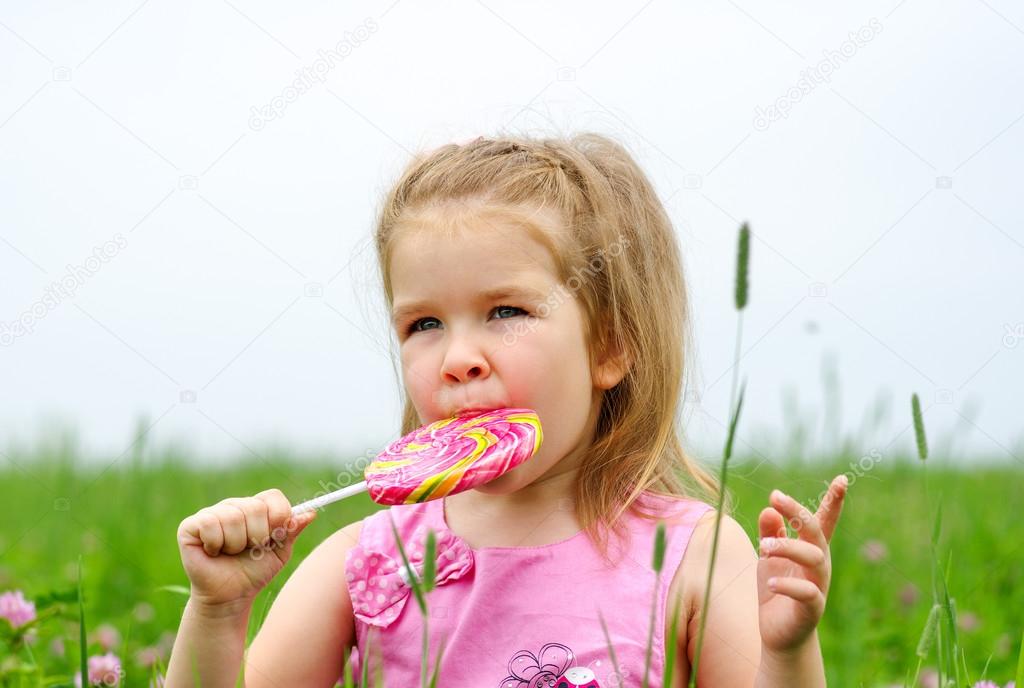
[[473, 410]]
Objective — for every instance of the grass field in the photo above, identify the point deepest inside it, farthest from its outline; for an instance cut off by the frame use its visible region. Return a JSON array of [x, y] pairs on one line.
[[122, 522]]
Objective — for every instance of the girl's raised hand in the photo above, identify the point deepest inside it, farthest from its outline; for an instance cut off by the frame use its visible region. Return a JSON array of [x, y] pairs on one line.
[[231, 550], [793, 574]]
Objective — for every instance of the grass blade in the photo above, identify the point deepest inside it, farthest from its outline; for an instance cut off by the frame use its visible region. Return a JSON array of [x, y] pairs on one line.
[[611, 648], [83, 663], [673, 643], [1020, 663], [414, 581]]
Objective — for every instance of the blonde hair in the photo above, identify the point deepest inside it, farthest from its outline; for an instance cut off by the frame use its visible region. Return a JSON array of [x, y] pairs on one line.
[[635, 302]]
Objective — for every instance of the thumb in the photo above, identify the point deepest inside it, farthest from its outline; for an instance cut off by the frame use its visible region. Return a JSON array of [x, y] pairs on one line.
[[293, 527]]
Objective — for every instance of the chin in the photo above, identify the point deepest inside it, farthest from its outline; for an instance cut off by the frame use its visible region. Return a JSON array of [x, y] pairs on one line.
[[502, 485]]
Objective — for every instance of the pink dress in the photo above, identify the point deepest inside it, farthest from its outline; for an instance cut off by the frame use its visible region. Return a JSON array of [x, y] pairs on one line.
[[514, 617]]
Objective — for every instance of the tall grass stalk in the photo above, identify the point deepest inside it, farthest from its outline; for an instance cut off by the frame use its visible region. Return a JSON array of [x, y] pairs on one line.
[[673, 644], [656, 564], [421, 588], [942, 620], [611, 648], [735, 404], [83, 662], [1020, 664]]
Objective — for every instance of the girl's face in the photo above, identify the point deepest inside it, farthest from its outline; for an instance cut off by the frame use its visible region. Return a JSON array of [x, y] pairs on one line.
[[483, 322]]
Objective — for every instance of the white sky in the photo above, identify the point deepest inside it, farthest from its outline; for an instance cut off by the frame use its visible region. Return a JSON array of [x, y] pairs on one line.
[[133, 120]]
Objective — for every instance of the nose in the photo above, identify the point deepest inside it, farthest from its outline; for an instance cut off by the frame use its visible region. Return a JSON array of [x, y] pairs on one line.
[[464, 361]]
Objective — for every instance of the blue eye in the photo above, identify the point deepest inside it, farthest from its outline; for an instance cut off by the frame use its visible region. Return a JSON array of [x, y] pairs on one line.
[[414, 325], [511, 308]]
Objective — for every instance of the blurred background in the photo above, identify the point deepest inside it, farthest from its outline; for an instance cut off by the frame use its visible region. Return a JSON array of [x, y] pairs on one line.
[[189, 305], [229, 158]]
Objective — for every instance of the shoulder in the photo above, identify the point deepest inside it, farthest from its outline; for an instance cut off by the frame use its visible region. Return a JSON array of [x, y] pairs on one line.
[[734, 591], [334, 548], [734, 557]]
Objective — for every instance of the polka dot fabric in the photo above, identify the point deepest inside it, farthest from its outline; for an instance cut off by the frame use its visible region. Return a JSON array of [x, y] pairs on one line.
[[378, 584]]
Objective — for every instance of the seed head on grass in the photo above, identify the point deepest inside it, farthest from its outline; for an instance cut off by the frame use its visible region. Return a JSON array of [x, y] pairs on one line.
[[924, 645], [922, 443], [742, 267], [659, 548]]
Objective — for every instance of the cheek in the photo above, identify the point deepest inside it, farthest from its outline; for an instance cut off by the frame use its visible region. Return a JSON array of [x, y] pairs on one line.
[[420, 384]]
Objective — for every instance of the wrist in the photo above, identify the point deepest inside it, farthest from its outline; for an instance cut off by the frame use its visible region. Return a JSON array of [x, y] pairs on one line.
[[807, 646], [218, 611], [783, 666]]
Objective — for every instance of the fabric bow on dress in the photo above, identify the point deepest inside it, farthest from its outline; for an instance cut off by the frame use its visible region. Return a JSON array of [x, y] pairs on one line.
[[379, 586]]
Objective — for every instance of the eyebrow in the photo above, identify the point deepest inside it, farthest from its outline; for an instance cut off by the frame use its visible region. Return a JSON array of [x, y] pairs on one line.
[[506, 291]]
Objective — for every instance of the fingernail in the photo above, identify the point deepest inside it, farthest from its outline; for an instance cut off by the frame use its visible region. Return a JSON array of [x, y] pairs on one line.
[[844, 481], [768, 544], [772, 582]]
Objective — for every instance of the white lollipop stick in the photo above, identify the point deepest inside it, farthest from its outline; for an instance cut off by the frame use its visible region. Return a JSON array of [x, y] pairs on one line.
[[330, 497]]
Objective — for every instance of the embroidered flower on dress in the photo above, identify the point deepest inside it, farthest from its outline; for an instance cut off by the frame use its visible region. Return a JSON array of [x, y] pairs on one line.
[[379, 585]]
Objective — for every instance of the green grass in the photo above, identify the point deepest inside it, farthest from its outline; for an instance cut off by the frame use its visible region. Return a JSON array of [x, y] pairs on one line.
[[123, 522]]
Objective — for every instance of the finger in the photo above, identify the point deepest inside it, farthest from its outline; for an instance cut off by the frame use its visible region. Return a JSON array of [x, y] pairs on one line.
[[803, 553], [209, 532], [799, 589], [799, 518], [832, 506], [279, 511], [770, 523], [232, 520], [257, 525]]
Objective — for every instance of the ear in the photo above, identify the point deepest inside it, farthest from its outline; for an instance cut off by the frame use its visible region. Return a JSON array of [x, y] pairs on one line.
[[611, 367]]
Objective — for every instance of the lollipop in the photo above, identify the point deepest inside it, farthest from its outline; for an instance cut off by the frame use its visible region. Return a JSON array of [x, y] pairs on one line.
[[445, 457]]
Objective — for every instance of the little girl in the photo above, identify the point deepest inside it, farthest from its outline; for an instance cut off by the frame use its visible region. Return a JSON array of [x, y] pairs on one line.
[[539, 274]]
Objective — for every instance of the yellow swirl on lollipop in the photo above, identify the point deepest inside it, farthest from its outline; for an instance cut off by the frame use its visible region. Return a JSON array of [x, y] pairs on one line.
[[452, 455]]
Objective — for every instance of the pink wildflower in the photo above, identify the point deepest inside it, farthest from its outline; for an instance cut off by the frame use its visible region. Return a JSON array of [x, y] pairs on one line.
[[104, 670], [909, 595], [874, 551], [968, 621], [147, 656], [16, 609], [107, 636]]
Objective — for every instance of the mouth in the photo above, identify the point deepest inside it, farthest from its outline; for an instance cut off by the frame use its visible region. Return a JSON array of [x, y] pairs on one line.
[[474, 410]]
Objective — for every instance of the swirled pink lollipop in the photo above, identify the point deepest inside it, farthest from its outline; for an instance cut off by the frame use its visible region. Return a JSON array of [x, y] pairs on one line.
[[445, 457]]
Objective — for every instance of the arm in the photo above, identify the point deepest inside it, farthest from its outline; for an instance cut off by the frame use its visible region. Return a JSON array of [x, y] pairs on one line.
[[803, 667], [305, 639], [209, 643], [731, 650], [754, 634], [225, 575]]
